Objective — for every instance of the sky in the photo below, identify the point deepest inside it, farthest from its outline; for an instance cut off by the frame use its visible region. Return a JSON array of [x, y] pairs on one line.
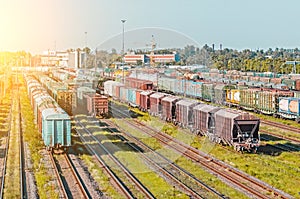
[[38, 25]]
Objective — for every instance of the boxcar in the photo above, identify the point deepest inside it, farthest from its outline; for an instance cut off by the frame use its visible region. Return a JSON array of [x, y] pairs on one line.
[[97, 105], [123, 94], [220, 93], [108, 87], [184, 112], [155, 103], [238, 129], [138, 83], [194, 89], [168, 107], [180, 86], [166, 84], [131, 96], [208, 92], [145, 100], [56, 128], [84, 90]]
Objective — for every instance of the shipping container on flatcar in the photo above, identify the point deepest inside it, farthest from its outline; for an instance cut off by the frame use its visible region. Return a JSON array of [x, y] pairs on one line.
[[267, 100], [155, 103], [238, 129], [203, 118], [168, 107], [289, 107], [116, 91], [145, 100], [184, 112]]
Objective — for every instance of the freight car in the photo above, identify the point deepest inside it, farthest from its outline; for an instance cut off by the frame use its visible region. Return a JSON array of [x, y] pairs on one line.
[[53, 122], [236, 128], [289, 108]]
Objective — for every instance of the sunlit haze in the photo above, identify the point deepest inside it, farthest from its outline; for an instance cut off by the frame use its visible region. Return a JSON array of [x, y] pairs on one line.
[[36, 26]]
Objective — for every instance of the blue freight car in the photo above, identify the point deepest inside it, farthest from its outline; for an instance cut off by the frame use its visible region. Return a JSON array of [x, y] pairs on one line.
[[56, 128]]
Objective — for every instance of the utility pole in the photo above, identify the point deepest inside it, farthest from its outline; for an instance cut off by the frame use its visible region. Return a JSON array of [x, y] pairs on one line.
[[123, 52], [85, 50]]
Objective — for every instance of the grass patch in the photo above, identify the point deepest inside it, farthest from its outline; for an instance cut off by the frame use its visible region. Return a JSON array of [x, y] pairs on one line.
[[157, 185], [100, 177], [264, 167]]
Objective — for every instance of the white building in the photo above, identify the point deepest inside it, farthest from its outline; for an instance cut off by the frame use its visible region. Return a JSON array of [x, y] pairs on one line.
[[74, 59]]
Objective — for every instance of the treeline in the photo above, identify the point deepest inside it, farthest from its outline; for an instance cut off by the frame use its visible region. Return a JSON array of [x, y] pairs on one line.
[[245, 60], [271, 60]]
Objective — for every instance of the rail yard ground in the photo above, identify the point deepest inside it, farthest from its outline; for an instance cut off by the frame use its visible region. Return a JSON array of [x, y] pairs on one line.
[[274, 166]]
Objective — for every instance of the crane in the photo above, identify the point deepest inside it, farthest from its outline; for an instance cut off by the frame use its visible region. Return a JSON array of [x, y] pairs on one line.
[[153, 46]]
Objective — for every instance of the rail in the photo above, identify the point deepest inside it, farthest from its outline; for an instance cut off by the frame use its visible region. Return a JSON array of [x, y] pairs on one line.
[[130, 176]]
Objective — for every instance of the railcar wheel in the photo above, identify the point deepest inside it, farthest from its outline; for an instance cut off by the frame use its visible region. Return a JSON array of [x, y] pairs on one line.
[[254, 150]]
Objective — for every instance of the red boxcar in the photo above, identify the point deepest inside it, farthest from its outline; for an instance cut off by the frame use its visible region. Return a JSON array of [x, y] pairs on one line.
[[138, 97], [145, 100], [97, 104], [138, 83]]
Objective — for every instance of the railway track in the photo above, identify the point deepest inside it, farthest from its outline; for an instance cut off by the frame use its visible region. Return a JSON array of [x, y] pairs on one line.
[[4, 152], [281, 136], [14, 180], [69, 180], [128, 192], [240, 180], [281, 126], [182, 178]]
